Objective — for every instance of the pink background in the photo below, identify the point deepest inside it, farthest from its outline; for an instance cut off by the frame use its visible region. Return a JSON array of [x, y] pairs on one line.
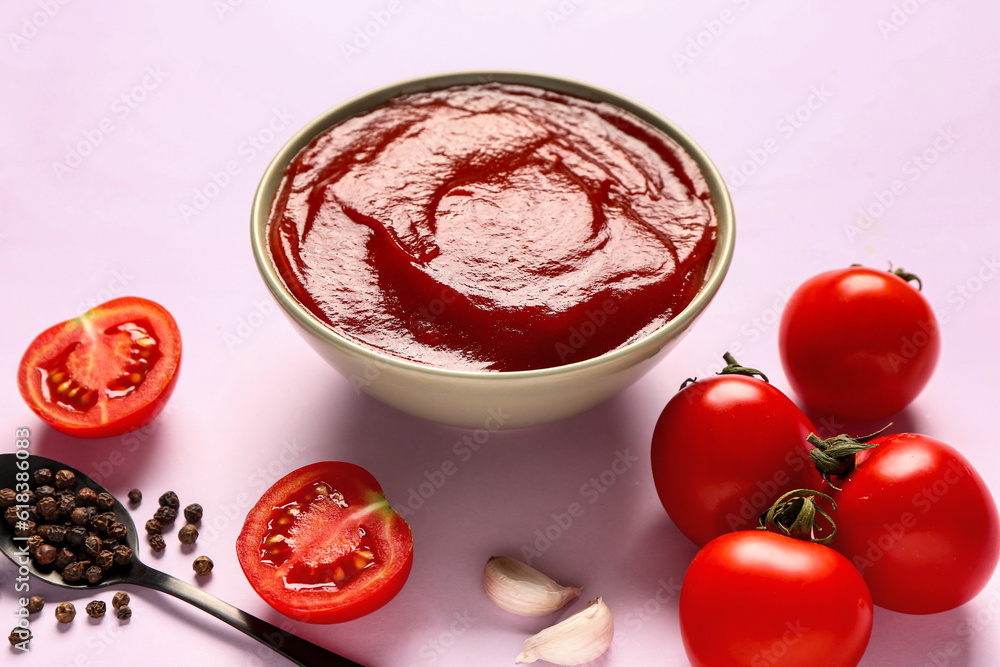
[[849, 132]]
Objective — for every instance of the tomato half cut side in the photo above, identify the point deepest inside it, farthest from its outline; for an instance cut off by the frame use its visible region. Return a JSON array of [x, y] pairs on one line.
[[104, 373], [324, 546]]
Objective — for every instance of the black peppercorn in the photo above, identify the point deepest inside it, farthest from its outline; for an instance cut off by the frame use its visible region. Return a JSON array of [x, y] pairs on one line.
[[35, 604], [123, 555], [8, 498], [123, 612], [82, 516], [153, 527], [76, 536], [117, 531], [74, 571], [34, 542], [156, 542], [92, 546], [93, 574], [105, 560], [165, 515], [63, 558], [46, 554], [57, 534], [170, 499], [96, 609], [187, 534], [120, 598], [193, 513], [65, 612], [19, 635], [65, 479], [100, 522], [44, 491], [25, 528], [86, 497], [43, 477], [105, 501], [66, 505], [48, 508], [11, 515], [135, 496], [202, 565]]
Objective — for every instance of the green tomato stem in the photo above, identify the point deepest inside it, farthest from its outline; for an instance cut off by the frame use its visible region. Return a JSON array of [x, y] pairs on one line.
[[733, 368], [795, 515], [837, 456]]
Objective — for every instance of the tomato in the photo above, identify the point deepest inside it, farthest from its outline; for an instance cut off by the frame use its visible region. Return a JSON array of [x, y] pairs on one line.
[[724, 449], [323, 545], [104, 373], [857, 343], [755, 598], [919, 523]]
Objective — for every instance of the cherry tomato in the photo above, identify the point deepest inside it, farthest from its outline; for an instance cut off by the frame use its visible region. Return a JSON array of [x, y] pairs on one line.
[[724, 449], [323, 545], [755, 598], [919, 523], [857, 343], [104, 373]]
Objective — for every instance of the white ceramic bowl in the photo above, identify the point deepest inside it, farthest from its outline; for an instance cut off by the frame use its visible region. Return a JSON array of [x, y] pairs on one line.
[[483, 399]]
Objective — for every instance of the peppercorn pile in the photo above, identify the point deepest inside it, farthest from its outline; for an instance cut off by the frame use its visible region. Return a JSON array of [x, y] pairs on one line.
[[74, 531]]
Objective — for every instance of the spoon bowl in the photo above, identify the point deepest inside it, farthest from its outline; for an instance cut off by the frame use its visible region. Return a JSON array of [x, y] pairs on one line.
[[137, 573]]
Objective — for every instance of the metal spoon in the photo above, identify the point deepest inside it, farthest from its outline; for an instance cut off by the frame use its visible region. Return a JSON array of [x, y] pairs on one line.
[[292, 647]]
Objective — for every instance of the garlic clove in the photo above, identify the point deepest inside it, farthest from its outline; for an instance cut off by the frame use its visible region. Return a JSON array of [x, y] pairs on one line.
[[582, 637], [521, 589]]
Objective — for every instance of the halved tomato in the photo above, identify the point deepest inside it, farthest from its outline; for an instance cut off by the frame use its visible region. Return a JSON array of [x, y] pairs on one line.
[[323, 545], [104, 373]]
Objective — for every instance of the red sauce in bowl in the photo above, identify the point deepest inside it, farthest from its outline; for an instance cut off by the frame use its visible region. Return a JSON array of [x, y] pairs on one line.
[[493, 227]]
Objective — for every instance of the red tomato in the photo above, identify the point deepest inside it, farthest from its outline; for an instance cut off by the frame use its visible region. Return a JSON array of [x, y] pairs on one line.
[[107, 372], [755, 598], [724, 449], [858, 343], [323, 545], [919, 523]]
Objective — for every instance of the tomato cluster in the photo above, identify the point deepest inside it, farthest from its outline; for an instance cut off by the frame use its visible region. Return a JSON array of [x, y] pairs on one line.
[[917, 530]]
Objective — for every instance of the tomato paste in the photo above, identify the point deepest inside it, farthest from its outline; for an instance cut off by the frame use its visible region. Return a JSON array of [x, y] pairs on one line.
[[493, 227]]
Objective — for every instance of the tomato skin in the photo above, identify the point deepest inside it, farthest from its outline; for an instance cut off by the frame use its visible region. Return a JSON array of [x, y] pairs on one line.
[[919, 523], [366, 507], [755, 598], [858, 343], [97, 358], [724, 449]]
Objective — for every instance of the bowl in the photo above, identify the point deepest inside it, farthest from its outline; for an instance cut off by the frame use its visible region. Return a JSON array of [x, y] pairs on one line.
[[489, 400]]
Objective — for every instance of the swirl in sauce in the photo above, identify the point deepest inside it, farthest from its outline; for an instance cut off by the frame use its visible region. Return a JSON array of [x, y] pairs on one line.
[[493, 227]]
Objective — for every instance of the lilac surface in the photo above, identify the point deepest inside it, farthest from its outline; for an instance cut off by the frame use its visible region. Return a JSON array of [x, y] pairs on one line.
[[850, 132]]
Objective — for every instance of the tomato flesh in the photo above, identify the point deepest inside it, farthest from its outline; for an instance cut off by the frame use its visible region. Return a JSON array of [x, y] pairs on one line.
[[323, 545], [107, 372]]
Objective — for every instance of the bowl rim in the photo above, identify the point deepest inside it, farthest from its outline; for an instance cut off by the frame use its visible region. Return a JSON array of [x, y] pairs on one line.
[[260, 213]]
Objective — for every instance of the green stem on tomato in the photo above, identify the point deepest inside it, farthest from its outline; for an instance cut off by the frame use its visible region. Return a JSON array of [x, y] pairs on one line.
[[837, 456], [909, 277], [733, 368], [795, 515]]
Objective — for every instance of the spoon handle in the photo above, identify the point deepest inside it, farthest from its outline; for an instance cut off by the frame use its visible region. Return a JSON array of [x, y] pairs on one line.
[[292, 647]]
